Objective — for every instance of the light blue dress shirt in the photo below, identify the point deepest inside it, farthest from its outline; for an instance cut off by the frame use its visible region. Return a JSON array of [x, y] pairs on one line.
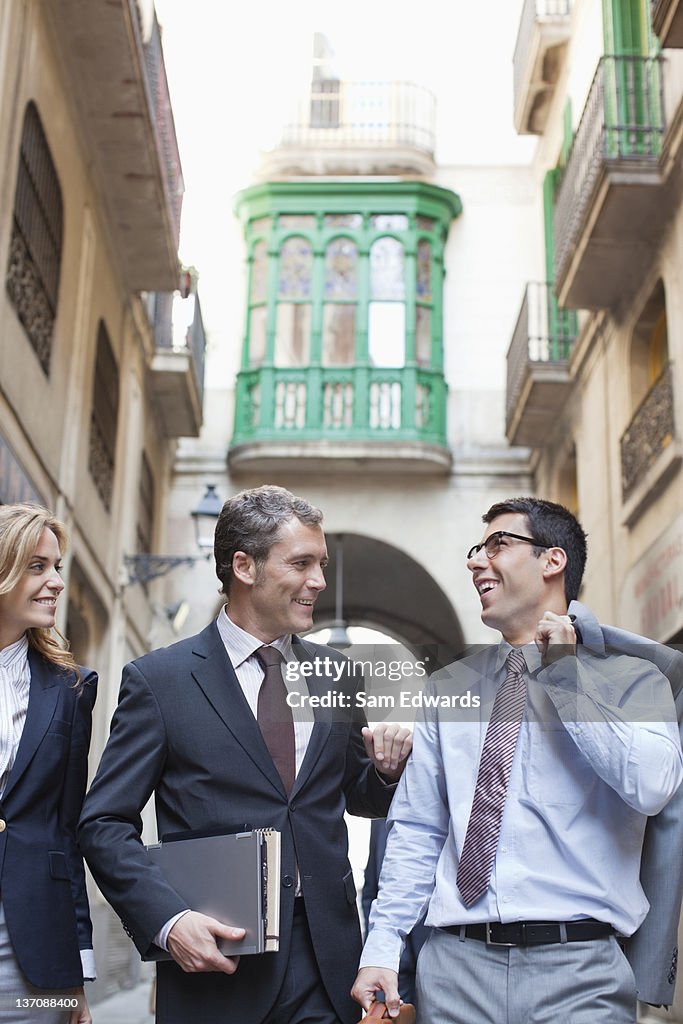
[[598, 751]]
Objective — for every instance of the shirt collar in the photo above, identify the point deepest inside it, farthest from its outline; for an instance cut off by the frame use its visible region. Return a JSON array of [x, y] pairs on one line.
[[241, 645], [532, 656], [14, 657]]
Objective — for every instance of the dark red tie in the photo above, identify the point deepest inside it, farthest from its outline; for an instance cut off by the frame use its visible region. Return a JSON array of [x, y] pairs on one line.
[[274, 716]]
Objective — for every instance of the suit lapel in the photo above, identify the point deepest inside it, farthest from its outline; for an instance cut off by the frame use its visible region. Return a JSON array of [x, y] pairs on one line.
[[42, 701], [216, 677]]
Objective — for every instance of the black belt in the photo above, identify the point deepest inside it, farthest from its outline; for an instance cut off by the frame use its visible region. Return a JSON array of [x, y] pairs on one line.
[[534, 933]]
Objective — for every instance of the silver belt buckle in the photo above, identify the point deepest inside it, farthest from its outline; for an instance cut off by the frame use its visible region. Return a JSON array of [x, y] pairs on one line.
[[492, 942]]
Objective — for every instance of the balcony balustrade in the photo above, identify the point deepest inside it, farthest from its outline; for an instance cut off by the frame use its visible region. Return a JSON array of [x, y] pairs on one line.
[[176, 367], [358, 127], [544, 31], [394, 416], [610, 206], [538, 379], [648, 435]]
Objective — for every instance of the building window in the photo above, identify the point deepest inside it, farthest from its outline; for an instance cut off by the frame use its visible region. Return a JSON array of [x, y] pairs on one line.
[[258, 297], [293, 325], [35, 250], [104, 418], [337, 288], [386, 312], [341, 291]]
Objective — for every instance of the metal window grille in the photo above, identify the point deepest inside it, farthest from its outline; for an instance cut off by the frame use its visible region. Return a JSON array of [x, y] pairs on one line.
[[104, 418], [33, 268]]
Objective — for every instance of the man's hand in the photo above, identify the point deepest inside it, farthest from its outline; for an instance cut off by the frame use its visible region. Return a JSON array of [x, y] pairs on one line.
[[388, 746], [82, 1015], [555, 637], [192, 943], [371, 980]]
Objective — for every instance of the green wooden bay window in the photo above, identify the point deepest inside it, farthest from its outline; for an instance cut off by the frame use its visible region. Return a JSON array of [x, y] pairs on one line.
[[344, 326]]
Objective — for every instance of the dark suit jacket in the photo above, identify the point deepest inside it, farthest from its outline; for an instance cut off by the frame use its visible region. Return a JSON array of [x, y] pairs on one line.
[[653, 949], [42, 880], [183, 730]]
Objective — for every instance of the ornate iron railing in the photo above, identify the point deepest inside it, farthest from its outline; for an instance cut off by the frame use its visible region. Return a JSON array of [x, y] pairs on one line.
[[623, 121], [544, 333], [359, 403], [650, 431], [338, 114], [160, 312]]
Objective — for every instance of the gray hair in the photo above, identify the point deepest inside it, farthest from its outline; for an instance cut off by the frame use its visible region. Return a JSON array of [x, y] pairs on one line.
[[251, 520]]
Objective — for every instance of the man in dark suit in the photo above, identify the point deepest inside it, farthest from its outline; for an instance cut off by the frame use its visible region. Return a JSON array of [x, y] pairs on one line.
[[194, 727]]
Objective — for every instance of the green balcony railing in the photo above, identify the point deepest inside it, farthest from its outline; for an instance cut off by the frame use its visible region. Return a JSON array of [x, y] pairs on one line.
[[356, 403]]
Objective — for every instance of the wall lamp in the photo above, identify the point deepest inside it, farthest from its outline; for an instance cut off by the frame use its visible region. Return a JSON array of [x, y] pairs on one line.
[[144, 567]]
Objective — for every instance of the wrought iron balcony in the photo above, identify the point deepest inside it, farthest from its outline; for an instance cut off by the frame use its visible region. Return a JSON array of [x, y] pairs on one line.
[[537, 366], [177, 364], [114, 62], [387, 126], [667, 22], [648, 435], [371, 414], [609, 209], [544, 30]]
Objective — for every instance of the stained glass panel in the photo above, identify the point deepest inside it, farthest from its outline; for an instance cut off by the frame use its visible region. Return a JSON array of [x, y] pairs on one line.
[[386, 270], [343, 220], [339, 335], [390, 222], [260, 226], [257, 335], [341, 265], [424, 271], [296, 266], [293, 334], [259, 273], [305, 221], [423, 336], [424, 223]]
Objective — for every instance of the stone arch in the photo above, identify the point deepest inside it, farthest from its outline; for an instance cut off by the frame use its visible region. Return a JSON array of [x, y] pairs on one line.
[[386, 589]]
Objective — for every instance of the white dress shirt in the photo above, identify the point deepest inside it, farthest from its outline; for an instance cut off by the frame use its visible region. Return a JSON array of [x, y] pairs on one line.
[[15, 684], [598, 751], [242, 647]]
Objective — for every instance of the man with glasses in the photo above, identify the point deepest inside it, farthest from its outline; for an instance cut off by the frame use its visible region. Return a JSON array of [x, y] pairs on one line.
[[520, 825]]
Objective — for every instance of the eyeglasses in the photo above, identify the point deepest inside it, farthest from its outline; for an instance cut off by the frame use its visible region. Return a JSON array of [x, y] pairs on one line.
[[494, 542]]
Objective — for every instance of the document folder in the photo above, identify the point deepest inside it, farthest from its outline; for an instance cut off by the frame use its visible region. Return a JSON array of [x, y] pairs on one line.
[[234, 878]]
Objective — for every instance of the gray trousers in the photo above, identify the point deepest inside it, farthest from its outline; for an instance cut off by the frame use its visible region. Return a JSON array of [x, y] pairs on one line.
[[464, 981], [14, 986]]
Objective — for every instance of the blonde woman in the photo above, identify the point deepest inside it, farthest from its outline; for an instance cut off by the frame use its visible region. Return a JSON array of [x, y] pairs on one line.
[[45, 716]]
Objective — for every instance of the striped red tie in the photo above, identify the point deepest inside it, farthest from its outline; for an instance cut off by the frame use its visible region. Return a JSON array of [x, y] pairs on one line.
[[483, 828]]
